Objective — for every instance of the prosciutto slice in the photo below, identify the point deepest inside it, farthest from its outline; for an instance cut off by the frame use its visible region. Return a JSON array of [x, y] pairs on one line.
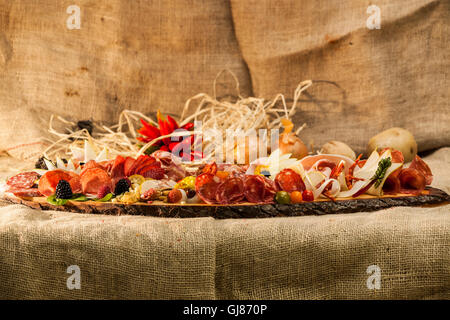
[[412, 181], [422, 167]]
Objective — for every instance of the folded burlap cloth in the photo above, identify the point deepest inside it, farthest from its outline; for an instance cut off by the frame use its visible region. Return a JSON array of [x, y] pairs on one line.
[[399, 253]]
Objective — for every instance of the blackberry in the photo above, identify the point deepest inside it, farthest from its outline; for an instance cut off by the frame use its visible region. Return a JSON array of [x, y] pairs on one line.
[[63, 190], [122, 186]]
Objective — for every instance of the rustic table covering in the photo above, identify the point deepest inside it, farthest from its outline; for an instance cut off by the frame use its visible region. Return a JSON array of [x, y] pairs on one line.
[[311, 257]]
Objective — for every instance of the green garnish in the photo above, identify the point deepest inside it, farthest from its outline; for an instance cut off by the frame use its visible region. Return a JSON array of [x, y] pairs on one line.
[[79, 197], [55, 201], [383, 165], [150, 149], [105, 198]]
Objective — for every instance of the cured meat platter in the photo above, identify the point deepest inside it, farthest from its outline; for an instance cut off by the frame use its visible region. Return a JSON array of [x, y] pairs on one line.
[[175, 179], [366, 203]]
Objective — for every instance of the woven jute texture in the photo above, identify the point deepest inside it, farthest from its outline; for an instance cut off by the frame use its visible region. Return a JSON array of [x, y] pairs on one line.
[[156, 54], [310, 257]]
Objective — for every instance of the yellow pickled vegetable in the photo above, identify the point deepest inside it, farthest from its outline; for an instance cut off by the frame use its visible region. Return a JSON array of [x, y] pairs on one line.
[[186, 183]]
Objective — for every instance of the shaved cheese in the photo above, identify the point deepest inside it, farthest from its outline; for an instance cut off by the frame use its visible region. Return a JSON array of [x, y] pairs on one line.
[[367, 172], [60, 164], [89, 153], [379, 190], [102, 156], [50, 165]]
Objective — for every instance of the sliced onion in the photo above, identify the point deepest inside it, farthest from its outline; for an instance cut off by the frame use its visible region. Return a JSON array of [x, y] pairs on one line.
[[335, 188]]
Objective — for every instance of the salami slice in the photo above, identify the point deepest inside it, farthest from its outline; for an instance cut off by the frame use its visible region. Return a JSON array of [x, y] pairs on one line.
[[257, 189], [23, 180], [206, 187], [23, 193], [412, 181], [230, 191], [421, 166], [289, 180], [270, 190]]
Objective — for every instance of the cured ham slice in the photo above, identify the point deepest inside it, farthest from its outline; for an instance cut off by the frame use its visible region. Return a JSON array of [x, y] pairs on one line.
[[49, 181], [411, 181], [392, 183], [396, 155], [421, 166], [94, 179], [308, 162]]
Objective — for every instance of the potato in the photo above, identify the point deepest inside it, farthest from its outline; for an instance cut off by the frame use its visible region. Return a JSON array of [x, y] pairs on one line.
[[338, 147], [396, 138]]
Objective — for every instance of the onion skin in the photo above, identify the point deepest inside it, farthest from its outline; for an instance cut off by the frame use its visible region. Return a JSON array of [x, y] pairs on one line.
[[290, 143]]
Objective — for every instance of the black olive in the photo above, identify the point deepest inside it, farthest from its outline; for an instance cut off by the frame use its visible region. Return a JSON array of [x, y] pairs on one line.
[[190, 193]]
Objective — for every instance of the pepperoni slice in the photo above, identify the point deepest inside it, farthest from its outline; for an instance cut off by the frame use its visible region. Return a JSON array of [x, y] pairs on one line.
[[230, 191], [210, 168], [412, 181], [289, 180], [49, 181], [421, 166], [23, 180], [94, 179], [206, 187]]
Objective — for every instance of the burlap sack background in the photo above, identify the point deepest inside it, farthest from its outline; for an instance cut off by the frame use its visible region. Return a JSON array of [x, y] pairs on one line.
[[155, 54], [311, 257]]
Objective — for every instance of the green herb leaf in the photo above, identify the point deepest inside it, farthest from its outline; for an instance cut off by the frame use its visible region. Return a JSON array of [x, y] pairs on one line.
[[79, 197], [383, 165], [105, 198], [55, 201], [151, 149]]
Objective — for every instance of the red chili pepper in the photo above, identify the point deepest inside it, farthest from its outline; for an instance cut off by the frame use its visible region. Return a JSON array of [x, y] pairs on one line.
[[349, 177], [172, 123], [337, 171], [188, 126]]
